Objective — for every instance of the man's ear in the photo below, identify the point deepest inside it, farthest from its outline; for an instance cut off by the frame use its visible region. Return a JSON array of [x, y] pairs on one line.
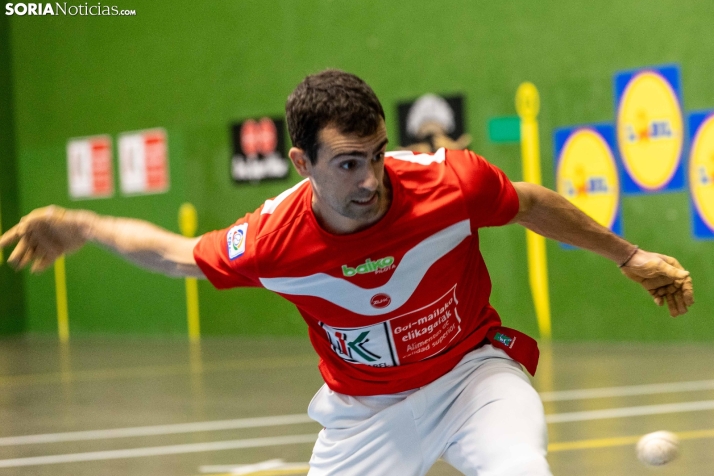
[[300, 161]]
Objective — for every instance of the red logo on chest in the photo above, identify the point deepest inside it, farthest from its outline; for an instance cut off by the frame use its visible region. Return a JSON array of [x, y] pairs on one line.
[[380, 300]]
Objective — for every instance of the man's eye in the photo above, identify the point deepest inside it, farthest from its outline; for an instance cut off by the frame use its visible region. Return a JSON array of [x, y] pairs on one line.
[[379, 157], [348, 165]]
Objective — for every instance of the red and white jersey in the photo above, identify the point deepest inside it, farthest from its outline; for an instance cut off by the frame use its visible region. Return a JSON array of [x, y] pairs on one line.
[[392, 307]]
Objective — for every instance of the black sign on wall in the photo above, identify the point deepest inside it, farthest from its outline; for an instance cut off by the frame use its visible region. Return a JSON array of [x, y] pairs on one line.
[[259, 151], [431, 122]]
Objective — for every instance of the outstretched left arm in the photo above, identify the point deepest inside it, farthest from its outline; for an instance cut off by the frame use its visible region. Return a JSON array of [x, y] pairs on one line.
[[551, 215]]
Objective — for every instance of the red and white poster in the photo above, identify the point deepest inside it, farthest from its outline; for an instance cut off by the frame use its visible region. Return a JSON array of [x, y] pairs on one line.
[[89, 167], [143, 162]]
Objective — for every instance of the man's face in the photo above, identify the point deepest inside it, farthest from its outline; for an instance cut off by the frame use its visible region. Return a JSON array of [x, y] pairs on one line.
[[350, 188]]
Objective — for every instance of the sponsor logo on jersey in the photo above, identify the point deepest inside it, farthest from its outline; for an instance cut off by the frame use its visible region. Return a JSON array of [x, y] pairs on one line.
[[586, 173], [400, 286], [236, 240], [504, 339], [369, 345], [650, 131], [409, 337], [701, 173], [380, 300], [355, 346], [369, 266]]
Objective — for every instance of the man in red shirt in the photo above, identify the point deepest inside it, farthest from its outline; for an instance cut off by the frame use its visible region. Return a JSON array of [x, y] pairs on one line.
[[379, 252]]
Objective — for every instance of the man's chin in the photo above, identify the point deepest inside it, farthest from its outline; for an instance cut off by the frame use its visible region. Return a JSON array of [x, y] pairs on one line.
[[363, 213]]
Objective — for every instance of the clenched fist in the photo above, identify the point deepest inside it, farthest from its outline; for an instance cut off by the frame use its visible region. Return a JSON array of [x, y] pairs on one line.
[[664, 278], [46, 234]]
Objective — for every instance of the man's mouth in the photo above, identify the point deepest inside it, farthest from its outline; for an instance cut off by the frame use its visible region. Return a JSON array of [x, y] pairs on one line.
[[366, 201]]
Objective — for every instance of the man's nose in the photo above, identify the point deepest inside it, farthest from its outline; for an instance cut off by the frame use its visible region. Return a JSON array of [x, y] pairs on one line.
[[370, 181]]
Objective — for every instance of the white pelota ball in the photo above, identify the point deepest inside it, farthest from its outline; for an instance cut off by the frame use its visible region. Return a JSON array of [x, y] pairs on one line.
[[658, 448]]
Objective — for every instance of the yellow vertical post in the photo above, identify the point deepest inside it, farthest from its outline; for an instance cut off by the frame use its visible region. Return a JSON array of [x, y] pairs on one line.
[[188, 223], [528, 106], [61, 296]]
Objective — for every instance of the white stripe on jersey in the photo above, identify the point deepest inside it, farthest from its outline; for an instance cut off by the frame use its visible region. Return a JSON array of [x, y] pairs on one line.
[[424, 159], [411, 270], [270, 205]]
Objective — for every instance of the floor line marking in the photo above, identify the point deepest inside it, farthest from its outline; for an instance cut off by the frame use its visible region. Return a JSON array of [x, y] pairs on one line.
[[228, 468], [302, 418], [272, 467], [153, 371], [158, 450], [301, 470], [281, 472], [621, 441], [194, 427], [630, 411], [630, 390], [288, 440]]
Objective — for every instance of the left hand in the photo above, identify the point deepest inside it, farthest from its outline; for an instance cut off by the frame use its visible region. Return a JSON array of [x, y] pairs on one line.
[[664, 278]]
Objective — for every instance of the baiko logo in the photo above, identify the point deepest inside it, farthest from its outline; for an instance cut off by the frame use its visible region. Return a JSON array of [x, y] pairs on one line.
[[369, 266]]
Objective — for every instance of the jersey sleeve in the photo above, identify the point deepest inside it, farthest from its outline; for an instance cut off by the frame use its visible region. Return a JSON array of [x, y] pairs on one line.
[[490, 196], [228, 257]]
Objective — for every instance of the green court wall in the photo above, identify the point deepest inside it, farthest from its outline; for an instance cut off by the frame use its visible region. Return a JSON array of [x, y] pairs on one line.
[[194, 67], [12, 314]]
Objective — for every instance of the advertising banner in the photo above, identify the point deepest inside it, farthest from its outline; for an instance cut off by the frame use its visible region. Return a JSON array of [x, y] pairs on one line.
[[650, 130], [587, 172], [259, 151], [89, 167], [701, 173], [143, 162]]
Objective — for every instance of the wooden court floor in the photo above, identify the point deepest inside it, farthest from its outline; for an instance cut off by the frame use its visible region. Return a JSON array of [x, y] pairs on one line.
[[145, 406]]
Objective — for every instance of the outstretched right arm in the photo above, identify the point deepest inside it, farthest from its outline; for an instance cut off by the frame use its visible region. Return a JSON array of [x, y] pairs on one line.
[[47, 233]]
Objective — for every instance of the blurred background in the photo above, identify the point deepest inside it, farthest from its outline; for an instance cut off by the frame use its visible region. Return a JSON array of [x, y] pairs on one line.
[[197, 91]]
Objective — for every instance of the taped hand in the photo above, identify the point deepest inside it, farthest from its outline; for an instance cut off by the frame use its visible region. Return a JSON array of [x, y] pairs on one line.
[[44, 235], [664, 278]]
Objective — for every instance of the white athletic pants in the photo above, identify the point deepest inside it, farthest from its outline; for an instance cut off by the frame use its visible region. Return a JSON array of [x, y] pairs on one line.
[[484, 418]]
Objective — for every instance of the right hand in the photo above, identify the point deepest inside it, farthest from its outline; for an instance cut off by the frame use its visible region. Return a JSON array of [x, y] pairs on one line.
[[44, 235], [664, 278]]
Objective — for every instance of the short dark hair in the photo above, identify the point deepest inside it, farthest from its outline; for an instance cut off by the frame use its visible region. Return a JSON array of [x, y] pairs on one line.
[[331, 98]]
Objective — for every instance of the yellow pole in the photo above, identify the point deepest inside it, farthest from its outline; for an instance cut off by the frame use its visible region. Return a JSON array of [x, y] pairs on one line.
[[528, 105], [61, 295], [188, 223]]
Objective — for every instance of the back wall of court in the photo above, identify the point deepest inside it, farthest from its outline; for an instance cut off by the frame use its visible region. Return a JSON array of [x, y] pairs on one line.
[[193, 68]]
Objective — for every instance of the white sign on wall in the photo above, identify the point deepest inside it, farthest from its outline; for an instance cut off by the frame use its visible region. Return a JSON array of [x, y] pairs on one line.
[[89, 167], [143, 162]]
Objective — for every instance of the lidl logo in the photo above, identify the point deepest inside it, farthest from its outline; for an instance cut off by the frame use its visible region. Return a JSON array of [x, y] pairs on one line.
[[701, 173], [650, 132], [587, 172], [236, 240]]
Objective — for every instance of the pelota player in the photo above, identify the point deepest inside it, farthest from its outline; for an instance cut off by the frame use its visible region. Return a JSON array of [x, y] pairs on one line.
[[380, 254]]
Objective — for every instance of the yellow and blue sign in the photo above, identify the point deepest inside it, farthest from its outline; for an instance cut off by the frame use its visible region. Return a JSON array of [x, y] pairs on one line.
[[587, 172], [701, 173], [650, 129]]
